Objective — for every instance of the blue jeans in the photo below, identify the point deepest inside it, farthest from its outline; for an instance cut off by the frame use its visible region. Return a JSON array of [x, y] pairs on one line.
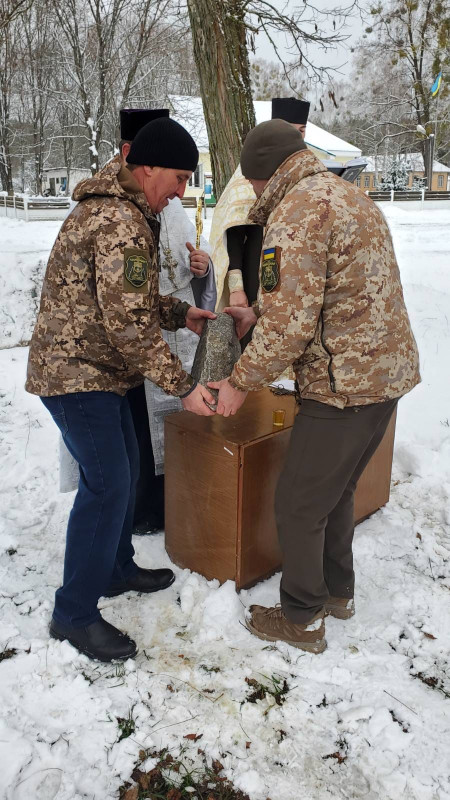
[[98, 430]]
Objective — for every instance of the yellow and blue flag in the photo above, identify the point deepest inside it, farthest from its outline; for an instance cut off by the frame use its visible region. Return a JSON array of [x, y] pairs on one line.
[[436, 85]]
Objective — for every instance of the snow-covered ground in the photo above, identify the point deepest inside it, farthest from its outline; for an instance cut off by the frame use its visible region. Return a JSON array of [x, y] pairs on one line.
[[23, 256], [369, 718]]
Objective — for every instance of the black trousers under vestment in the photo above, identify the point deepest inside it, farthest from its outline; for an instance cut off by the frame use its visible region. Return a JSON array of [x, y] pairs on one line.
[[149, 507]]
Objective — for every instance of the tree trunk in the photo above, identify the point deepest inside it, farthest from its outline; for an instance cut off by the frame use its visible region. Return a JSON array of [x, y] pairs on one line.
[[5, 136], [220, 51], [7, 65], [6, 172], [5, 156], [68, 150]]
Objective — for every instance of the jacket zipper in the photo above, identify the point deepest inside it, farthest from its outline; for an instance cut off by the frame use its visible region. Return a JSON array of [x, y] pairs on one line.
[[330, 371]]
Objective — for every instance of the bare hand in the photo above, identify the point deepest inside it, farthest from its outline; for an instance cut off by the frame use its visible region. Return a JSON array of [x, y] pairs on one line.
[[238, 299], [244, 318], [195, 319], [230, 399], [196, 401], [199, 260]]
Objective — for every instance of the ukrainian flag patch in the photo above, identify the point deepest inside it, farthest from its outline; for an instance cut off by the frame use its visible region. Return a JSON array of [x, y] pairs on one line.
[[270, 268]]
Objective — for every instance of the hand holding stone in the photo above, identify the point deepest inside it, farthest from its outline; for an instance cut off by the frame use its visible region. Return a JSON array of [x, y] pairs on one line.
[[196, 318], [197, 401], [230, 399], [244, 318]]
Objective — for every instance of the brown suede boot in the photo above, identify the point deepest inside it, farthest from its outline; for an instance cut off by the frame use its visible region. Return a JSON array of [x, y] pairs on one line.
[[271, 625], [340, 607]]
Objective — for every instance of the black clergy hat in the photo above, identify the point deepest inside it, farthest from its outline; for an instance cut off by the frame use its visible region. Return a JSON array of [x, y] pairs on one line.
[[133, 119], [290, 109]]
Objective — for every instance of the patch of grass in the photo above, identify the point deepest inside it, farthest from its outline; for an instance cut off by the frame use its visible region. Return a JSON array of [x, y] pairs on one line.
[[403, 726], [127, 726], [432, 682], [277, 688], [340, 755], [8, 653], [177, 779], [205, 668]]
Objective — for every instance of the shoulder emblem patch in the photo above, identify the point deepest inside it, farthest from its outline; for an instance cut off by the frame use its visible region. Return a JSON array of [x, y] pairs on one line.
[[270, 268], [135, 270]]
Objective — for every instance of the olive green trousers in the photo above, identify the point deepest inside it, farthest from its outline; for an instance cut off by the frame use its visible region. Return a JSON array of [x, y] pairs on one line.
[[328, 451]]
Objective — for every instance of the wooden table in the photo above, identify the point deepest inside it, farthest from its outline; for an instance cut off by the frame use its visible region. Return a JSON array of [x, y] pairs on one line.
[[220, 479]]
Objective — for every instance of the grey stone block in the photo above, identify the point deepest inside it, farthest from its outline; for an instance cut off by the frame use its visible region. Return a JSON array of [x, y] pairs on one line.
[[217, 351]]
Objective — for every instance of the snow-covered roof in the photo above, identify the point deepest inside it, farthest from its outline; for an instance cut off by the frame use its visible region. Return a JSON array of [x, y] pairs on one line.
[[315, 136], [189, 112], [412, 161], [439, 167]]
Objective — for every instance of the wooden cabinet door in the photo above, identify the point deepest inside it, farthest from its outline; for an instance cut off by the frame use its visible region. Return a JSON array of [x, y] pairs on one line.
[[258, 553], [201, 491]]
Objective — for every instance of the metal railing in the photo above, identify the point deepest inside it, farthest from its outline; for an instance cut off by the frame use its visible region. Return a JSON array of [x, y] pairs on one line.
[[33, 208], [421, 195]]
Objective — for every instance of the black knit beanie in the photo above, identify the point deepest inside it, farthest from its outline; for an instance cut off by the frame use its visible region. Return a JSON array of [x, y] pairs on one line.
[[164, 143], [267, 146]]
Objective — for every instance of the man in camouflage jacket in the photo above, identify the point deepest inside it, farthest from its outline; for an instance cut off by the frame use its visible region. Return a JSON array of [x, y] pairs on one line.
[[97, 335], [331, 304]]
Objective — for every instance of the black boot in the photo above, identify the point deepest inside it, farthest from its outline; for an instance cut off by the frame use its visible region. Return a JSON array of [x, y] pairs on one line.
[[146, 527], [145, 580], [99, 640]]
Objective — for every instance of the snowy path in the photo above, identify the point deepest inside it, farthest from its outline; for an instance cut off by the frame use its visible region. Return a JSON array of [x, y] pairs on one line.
[[370, 718]]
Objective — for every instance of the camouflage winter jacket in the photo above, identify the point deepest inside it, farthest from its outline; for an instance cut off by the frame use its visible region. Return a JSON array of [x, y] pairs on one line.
[[99, 321], [331, 300]]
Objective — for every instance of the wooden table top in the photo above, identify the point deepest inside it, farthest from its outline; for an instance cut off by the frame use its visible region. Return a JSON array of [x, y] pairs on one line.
[[253, 420]]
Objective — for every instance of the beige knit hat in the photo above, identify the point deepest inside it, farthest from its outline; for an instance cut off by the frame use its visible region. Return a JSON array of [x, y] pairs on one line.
[[267, 146]]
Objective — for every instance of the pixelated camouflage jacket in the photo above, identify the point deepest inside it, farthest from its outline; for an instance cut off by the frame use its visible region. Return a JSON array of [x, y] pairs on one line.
[[331, 300], [96, 329]]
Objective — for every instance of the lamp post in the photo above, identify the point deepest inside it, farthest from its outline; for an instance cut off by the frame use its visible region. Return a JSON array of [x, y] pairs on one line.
[[429, 159], [429, 141]]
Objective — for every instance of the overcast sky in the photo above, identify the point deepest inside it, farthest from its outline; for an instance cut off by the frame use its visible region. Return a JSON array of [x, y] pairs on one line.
[[337, 57]]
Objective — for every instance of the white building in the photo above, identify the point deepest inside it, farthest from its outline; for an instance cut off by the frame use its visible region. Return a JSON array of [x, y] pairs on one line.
[[373, 173], [55, 180]]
